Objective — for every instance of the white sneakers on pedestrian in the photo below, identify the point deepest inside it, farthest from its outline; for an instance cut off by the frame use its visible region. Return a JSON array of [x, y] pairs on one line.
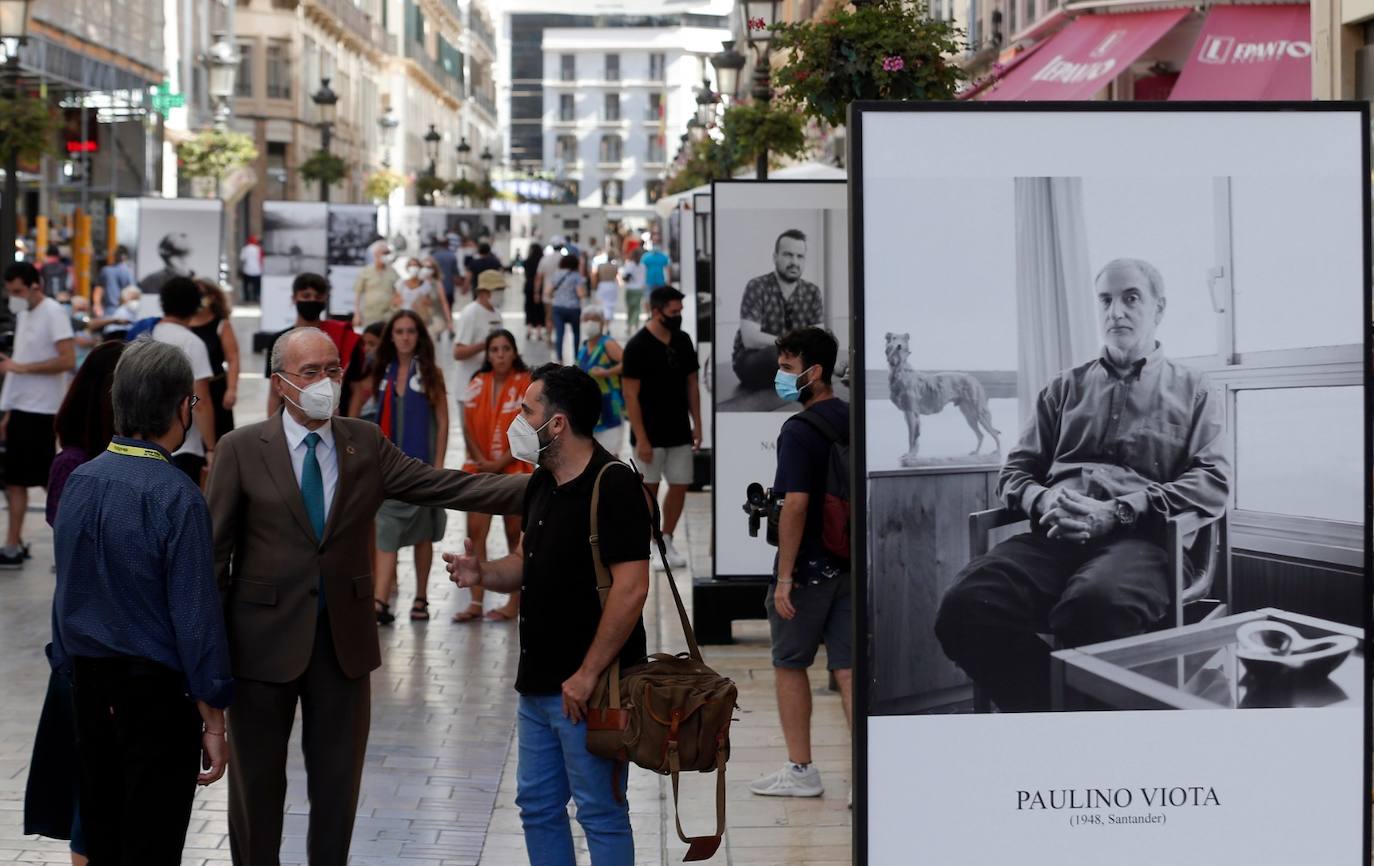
[[675, 559], [792, 780]]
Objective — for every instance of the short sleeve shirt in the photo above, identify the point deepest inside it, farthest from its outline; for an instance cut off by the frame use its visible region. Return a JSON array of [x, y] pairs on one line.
[[664, 372], [36, 335], [565, 286], [804, 465], [655, 265], [191, 346], [765, 303], [475, 323], [560, 608]]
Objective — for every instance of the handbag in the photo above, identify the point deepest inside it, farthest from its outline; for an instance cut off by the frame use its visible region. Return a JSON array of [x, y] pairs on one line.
[[670, 714]]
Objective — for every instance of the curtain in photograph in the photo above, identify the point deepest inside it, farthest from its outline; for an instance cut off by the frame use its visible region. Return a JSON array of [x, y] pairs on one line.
[[1055, 328]]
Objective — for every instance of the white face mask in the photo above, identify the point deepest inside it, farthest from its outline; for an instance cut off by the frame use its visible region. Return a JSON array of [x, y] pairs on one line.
[[319, 401], [593, 328], [524, 440], [18, 305], [413, 271], [426, 272]]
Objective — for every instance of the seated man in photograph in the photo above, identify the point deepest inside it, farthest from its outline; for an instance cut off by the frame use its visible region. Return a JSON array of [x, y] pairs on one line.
[[1112, 449], [774, 304]]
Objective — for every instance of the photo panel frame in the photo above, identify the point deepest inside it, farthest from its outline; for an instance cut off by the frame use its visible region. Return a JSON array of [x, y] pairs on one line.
[[1107, 315]]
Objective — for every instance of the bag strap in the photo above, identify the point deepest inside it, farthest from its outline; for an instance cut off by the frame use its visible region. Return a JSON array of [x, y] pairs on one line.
[[603, 576], [700, 847], [822, 426]]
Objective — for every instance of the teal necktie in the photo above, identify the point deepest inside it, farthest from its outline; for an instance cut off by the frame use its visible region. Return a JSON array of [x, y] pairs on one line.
[[312, 491]]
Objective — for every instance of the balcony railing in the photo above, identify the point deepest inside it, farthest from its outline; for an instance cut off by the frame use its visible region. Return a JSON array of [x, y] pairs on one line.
[[479, 28], [488, 103], [358, 21], [416, 52]]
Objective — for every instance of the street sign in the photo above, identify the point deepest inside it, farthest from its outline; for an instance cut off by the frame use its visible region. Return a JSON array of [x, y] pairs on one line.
[[164, 100]]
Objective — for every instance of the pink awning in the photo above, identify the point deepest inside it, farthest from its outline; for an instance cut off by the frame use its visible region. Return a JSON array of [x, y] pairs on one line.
[[1084, 57], [1251, 52]]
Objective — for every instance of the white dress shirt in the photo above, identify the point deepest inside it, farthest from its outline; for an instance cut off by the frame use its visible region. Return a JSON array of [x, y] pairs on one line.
[[325, 453]]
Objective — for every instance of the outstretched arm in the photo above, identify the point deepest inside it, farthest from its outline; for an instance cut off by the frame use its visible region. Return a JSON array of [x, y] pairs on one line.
[[418, 483]]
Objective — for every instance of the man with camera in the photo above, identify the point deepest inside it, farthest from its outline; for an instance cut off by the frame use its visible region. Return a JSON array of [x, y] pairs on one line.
[[810, 601]]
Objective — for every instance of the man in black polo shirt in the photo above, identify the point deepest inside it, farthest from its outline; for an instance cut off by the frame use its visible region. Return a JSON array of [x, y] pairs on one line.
[[566, 639]]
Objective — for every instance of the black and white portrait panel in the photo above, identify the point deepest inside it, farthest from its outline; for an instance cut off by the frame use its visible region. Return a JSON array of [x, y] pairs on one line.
[[1113, 446], [352, 229], [176, 237], [294, 238], [781, 262], [1074, 374]]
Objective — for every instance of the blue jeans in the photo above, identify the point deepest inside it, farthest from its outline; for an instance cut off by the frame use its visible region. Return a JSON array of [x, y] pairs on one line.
[[555, 766], [571, 316]]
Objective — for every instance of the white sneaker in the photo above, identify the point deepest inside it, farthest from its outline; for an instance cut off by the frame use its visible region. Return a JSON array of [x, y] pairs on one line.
[[789, 782], [675, 559]]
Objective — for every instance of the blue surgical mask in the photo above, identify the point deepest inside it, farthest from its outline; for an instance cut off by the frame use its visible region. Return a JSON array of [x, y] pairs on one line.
[[785, 384]]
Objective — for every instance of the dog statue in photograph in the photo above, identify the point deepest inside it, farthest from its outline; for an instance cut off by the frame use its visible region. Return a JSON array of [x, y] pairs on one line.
[[917, 394]]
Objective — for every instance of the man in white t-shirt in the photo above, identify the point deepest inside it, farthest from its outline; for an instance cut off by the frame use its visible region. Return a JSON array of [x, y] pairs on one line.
[[544, 276], [250, 267], [180, 300], [475, 324], [35, 383]]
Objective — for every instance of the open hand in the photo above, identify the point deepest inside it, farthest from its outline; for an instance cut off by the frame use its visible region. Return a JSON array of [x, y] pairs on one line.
[[463, 568], [782, 600], [644, 451]]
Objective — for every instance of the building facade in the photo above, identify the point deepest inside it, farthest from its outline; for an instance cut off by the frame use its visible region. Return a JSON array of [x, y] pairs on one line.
[[600, 100]]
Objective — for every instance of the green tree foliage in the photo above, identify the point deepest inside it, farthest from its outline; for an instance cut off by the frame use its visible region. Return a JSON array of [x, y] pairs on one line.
[[881, 50]]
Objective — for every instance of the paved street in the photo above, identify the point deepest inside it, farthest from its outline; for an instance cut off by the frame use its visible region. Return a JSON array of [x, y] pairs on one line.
[[439, 786]]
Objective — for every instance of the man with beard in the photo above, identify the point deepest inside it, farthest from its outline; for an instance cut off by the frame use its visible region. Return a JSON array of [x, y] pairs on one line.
[[566, 638], [1113, 448], [774, 304], [310, 294], [174, 248]]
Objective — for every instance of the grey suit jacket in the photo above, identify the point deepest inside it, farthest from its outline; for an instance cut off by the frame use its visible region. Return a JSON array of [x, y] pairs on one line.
[[268, 562]]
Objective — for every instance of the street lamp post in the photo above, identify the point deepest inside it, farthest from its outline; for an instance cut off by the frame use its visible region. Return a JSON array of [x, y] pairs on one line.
[[432, 139], [464, 160], [222, 67], [728, 65], [327, 101], [14, 32], [487, 159], [387, 123], [759, 16]]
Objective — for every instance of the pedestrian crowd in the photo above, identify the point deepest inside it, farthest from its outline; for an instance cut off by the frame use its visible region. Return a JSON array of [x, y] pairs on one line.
[[208, 575]]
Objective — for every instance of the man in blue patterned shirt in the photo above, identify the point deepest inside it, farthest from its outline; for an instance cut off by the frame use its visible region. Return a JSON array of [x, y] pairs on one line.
[[137, 620]]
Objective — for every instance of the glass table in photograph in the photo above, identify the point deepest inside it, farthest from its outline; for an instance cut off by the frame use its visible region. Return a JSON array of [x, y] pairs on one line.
[[1199, 667]]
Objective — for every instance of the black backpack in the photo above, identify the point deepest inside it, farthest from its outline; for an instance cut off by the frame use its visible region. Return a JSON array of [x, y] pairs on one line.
[[835, 531]]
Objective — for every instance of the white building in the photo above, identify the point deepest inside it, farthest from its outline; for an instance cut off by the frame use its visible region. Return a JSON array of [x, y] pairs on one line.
[[600, 92]]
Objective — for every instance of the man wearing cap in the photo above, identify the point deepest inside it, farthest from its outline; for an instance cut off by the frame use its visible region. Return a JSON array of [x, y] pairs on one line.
[[173, 249], [478, 319]]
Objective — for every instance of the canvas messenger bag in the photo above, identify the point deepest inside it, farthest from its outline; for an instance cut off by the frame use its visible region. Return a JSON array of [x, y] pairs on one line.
[[671, 713]]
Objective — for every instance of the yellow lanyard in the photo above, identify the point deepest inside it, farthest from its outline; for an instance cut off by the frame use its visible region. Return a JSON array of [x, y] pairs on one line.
[[136, 451]]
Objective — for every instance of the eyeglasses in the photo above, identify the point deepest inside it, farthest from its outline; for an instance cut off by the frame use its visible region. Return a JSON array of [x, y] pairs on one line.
[[311, 374], [195, 401]]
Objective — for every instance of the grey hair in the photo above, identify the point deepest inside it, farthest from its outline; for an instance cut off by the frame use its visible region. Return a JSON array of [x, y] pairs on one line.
[[1152, 274], [278, 357], [150, 381]]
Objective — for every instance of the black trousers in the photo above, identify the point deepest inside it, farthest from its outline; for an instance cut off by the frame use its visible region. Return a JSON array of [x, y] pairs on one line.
[[991, 620], [138, 746], [252, 289], [335, 717]]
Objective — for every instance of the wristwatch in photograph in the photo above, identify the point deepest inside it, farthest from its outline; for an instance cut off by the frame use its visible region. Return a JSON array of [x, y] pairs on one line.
[[1125, 514]]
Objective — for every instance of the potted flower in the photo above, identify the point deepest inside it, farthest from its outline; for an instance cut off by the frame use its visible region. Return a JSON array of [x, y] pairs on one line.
[[214, 153]]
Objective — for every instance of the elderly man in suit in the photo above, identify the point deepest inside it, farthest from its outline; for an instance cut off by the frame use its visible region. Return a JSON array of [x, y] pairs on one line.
[[292, 500]]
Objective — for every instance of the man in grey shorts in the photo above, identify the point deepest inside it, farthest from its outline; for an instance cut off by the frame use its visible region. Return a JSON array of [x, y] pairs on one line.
[[810, 601]]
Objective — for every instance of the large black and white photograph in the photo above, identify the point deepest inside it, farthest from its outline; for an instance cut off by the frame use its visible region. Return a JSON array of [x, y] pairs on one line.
[[781, 262], [176, 237], [352, 229], [1113, 429], [294, 238], [776, 269]]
